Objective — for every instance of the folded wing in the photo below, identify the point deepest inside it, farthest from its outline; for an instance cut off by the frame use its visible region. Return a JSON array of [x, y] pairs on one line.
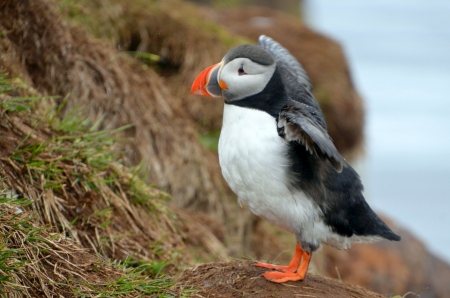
[[298, 123]]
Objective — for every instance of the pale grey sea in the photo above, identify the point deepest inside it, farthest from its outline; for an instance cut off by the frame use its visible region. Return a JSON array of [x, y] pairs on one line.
[[399, 55]]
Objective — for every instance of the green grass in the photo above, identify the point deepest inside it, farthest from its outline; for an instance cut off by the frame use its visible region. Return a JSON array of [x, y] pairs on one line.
[[20, 236], [76, 151], [72, 155], [142, 277], [210, 140], [12, 259], [108, 20], [135, 281], [16, 103], [74, 142]]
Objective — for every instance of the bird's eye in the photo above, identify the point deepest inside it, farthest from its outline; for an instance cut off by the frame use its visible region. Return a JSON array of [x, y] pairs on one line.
[[241, 71]]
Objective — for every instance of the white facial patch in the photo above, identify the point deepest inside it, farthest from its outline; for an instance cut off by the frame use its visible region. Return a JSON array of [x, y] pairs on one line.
[[241, 85]]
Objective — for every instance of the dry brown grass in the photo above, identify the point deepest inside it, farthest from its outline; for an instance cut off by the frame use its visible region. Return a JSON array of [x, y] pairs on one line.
[[45, 264], [37, 263], [78, 188], [121, 90], [64, 61], [175, 31]]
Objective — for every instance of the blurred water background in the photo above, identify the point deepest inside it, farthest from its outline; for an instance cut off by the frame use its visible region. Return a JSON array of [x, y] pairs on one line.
[[399, 56]]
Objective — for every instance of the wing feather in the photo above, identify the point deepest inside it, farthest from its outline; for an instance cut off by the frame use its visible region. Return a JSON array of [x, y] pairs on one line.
[[301, 120], [297, 124]]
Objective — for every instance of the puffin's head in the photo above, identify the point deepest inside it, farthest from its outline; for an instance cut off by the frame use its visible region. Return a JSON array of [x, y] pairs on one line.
[[244, 71]]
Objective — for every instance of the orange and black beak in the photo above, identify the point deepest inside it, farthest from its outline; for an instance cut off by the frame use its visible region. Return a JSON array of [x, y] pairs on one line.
[[206, 83]]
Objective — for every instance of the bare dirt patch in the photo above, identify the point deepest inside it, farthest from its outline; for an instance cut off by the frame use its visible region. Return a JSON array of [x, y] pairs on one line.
[[239, 279]]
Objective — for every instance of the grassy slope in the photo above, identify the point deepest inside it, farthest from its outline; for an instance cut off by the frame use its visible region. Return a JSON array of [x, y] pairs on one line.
[[46, 162], [170, 36], [36, 263]]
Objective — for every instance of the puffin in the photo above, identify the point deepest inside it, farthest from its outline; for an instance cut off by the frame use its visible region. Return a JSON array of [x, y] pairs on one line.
[[277, 157]]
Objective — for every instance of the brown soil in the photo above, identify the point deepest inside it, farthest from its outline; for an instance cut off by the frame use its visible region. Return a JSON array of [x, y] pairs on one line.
[[240, 279]]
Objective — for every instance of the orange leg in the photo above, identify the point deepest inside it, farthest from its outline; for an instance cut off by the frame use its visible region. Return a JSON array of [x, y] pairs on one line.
[[293, 265], [290, 272]]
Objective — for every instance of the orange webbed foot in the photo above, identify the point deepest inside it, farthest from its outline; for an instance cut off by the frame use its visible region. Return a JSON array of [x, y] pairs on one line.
[[293, 265], [280, 277], [290, 272], [276, 267]]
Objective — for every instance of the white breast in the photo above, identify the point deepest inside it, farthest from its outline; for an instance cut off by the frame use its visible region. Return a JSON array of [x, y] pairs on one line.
[[254, 162]]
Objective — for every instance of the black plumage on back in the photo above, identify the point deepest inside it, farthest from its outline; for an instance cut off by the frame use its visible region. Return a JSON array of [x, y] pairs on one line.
[[338, 195]]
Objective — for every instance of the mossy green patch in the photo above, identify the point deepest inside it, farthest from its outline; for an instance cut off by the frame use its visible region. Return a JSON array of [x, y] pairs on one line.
[[210, 140]]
